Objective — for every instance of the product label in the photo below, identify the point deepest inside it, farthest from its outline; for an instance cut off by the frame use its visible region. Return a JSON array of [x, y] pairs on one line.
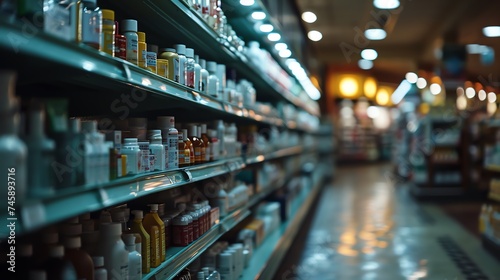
[[180, 235], [151, 59], [132, 55], [91, 29], [145, 253], [190, 232], [208, 153], [173, 156], [145, 161], [119, 167], [197, 154], [177, 70], [203, 154], [190, 78], [143, 59], [155, 248], [196, 229], [157, 162], [124, 271], [162, 68], [108, 39], [187, 156], [120, 47]]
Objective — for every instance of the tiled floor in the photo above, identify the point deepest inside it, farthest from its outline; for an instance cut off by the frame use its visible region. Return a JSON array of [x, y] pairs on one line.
[[366, 226]]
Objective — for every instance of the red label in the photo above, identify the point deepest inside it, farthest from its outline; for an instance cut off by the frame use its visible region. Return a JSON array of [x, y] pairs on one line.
[[196, 229], [120, 46], [180, 235], [190, 79]]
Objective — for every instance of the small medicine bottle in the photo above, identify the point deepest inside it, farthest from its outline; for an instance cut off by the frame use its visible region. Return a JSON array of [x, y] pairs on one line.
[[172, 57], [108, 32], [129, 29], [181, 52], [142, 51], [151, 57], [120, 44], [91, 24]]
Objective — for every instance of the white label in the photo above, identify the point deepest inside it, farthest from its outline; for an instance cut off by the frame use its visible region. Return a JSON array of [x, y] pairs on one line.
[[119, 167], [208, 152], [132, 55], [145, 163], [151, 59], [157, 152], [124, 272], [144, 57], [172, 147], [91, 28]]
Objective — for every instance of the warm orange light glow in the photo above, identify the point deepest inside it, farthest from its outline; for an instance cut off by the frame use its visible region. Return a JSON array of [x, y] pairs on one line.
[[370, 87], [315, 81], [383, 97], [348, 87]]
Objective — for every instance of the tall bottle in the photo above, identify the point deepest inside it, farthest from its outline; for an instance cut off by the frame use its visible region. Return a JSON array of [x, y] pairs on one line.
[[212, 81], [190, 146], [198, 146], [190, 68], [40, 155], [221, 76], [221, 131], [91, 24], [108, 32], [134, 258], [197, 73], [142, 50], [137, 228], [174, 70], [169, 135], [13, 151], [57, 267], [150, 222], [184, 152], [81, 260], [214, 145], [203, 76], [129, 29], [157, 149], [181, 52], [207, 142], [112, 248], [204, 149]]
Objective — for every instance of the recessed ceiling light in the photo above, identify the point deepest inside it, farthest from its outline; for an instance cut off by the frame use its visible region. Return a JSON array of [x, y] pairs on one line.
[[491, 31], [285, 53], [365, 64], [314, 35], [258, 15], [369, 54], [309, 17], [386, 4], [492, 97], [481, 95], [266, 28], [435, 89], [280, 46], [411, 77], [375, 34], [421, 83], [247, 2], [273, 37], [470, 92]]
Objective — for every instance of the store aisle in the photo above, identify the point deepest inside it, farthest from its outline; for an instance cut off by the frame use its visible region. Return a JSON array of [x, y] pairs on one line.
[[368, 227]]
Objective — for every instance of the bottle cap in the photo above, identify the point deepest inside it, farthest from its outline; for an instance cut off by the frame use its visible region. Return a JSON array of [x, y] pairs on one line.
[[165, 122], [138, 215], [72, 242], [190, 52], [130, 141], [197, 58], [50, 237], [225, 260], [161, 209], [71, 229], [211, 66], [89, 126], [37, 275], [152, 48], [110, 229], [154, 134], [200, 275], [25, 250], [117, 215], [181, 49], [203, 128], [129, 25], [168, 50], [153, 207], [180, 134], [98, 261], [193, 130], [253, 44], [203, 63], [141, 36], [108, 14], [56, 251], [129, 239], [185, 133]]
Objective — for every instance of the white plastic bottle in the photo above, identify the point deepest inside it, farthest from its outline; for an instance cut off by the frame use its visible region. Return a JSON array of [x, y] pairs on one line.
[[232, 132], [181, 52], [197, 73], [203, 76], [131, 149], [170, 140], [91, 22], [100, 272], [134, 258], [112, 248], [221, 132], [157, 149], [91, 152], [212, 81], [225, 266], [13, 151], [190, 73], [221, 76], [129, 29]]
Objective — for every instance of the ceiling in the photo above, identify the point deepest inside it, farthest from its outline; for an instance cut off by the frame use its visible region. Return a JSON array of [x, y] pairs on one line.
[[414, 32]]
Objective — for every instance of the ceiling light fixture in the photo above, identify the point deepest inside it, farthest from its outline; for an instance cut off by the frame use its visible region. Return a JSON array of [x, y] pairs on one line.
[[421, 83], [411, 77], [365, 64], [247, 2], [258, 15], [309, 17], [314, 35], [369, 54], [481, 95], [280, 46], [266, 28], [375, 34], [492, 97], [470, 92], [491, 31], [273, 37], [435, 89], [386, 4], [285, 53]]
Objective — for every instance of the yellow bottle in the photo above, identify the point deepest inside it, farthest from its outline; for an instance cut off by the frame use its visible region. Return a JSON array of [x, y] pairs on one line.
[[108, 32], [137, 228], [142, 50], [151, 220]]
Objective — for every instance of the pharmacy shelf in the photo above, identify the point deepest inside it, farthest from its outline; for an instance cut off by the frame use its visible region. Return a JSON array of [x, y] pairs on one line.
[[494, 196], [442, 191], [36, 213], [178, 20], [177, 258], [79, 65], [268, 256]]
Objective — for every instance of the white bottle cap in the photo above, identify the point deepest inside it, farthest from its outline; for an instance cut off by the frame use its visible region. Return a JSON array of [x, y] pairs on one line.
[[37, 275], [89, 126], [56, 251], [197, 58], [154, 134], [71, 229], [129, 239], [165, 122], [153, 207], [25, 250], [193, 130], [181, 49], [72, 242], [117, 215], [200, 275], [50, 237], [225, 260], [185, 133], [189, 52], [203, 63], [211, 66], [129, 25], [98, 261], [253, 44], [138, 214], [130, 141], [110, 229], [204, 128]]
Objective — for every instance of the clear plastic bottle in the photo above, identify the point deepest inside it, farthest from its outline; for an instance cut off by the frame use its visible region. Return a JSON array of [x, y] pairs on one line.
[[203, 76], [190, 146], [197, 73], [184, 152], [221, 132], [91, 24], [157, 149], [174, 70], [81, 260], [181, 52], [112, 248], [108, 32], [170, 141], [134, 258], [129, 29], [57, 267], [13, 151], [131, 149], [212, 81], [100, 272], [190, 67]]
